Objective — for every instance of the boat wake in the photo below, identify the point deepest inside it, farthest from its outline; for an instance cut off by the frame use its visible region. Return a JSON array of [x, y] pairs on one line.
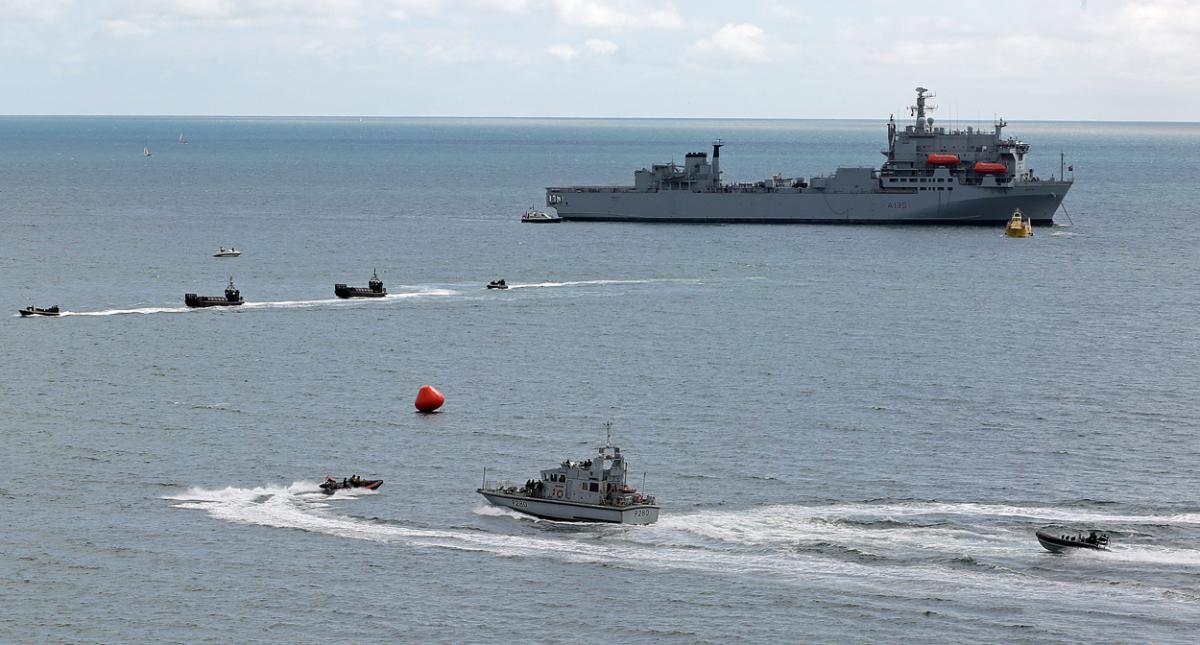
[[579, 283], [139, 310], [351, 302], [928, 529], [323, 303], [859, 545], [277, 304]]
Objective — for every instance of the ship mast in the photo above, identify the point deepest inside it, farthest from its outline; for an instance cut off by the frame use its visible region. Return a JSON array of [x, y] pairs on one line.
[[920, 108]]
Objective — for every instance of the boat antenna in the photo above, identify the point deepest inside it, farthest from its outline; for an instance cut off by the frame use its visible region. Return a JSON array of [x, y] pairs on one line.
[[643, 488], [484, 484], [608, 431]]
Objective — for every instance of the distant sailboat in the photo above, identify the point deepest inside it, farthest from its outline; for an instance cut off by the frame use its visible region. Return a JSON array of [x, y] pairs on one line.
[[182, 139], [146, 151]]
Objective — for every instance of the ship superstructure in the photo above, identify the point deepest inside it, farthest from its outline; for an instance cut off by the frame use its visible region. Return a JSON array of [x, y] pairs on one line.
[[931, 175]]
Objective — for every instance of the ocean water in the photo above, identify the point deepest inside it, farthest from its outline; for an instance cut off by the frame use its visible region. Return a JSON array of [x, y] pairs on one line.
[[853, 431]]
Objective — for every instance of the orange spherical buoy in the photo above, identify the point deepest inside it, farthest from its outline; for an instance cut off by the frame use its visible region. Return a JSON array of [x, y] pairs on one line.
[[429, 399]]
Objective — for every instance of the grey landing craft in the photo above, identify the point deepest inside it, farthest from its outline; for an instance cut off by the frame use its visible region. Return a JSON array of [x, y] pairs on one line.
[[931, 176], [591, 490]]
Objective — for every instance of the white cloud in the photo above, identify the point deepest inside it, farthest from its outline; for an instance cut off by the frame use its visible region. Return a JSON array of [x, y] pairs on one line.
[[33, 9], [1150, 38], [203, 9], [591, 13], [744, 41], [124, 29], [600, 47], [506, 6], [562, 52]]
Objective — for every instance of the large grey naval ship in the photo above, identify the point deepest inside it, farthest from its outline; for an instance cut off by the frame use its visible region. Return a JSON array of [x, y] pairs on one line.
[[931, 176]]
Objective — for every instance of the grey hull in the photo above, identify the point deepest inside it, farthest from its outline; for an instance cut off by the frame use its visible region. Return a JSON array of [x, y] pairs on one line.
[[573, 511], [979, 205]]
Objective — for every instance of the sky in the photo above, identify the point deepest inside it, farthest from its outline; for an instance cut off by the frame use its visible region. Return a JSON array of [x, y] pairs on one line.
[[1024, 59]]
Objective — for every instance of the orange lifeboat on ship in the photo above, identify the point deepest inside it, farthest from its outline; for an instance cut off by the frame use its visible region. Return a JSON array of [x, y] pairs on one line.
[[988, 168], [935, 159]]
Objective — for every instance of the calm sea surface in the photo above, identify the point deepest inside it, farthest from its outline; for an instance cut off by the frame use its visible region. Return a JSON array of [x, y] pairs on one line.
[[853, 431]]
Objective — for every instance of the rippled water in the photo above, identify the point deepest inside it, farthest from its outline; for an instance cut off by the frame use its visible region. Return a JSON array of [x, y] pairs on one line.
[[854, 431]]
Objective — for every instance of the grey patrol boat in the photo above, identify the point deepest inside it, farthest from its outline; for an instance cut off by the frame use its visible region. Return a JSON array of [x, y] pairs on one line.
[[931, 176], [591, 490]]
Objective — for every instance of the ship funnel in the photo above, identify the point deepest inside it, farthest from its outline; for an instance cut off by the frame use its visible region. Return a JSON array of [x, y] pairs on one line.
[[716, 164]]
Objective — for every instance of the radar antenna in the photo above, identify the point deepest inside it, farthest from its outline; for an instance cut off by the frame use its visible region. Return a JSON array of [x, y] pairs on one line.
[[921, 107]]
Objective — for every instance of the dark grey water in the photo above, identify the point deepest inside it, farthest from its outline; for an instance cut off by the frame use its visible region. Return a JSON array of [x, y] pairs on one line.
[[854, 431]]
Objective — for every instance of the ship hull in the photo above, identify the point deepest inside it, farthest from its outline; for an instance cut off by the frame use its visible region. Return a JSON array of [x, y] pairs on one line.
[[564, 511], [965, 205], [343, 291], [194, 301]]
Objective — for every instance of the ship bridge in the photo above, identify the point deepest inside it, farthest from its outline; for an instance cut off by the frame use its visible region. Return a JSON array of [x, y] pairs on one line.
[[970, 155]]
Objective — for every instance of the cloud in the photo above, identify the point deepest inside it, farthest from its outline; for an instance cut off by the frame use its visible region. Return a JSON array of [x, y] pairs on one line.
[[201, 9], [744, 41], [506, 6], [124, 29], [562, 52], [590, 13], [600, 47], [12, 10]]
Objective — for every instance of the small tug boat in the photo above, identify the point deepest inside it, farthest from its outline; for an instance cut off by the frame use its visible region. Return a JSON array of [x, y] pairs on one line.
[[374, 289], [1058, 543], [227, 253], [331, 485], [35, 311], [497, 284], [232, 298], [1019, 225], [535, 216], [591, 490]]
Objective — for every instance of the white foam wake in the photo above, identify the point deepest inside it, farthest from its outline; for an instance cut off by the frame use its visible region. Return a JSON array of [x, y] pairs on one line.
[[139, 310], [349, 302], [577, 283], [276, 304], [677, 542]]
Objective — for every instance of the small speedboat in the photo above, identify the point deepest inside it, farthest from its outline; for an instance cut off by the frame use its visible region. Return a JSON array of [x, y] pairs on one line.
[[1060, 542], [374, 289], [232, 298], [535, 216], [227, 253], [331, 485], [1019, 225], [35, 311], [497, 284]]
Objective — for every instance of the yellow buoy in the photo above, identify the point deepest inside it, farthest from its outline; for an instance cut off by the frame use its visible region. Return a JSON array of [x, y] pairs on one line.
[[1019, 225]]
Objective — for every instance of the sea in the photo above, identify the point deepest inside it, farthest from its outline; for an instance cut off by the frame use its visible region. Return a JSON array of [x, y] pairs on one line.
[[853, 431]]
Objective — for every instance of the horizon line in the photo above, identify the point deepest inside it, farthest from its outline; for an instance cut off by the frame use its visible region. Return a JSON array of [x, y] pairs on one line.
[[559, 118]]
